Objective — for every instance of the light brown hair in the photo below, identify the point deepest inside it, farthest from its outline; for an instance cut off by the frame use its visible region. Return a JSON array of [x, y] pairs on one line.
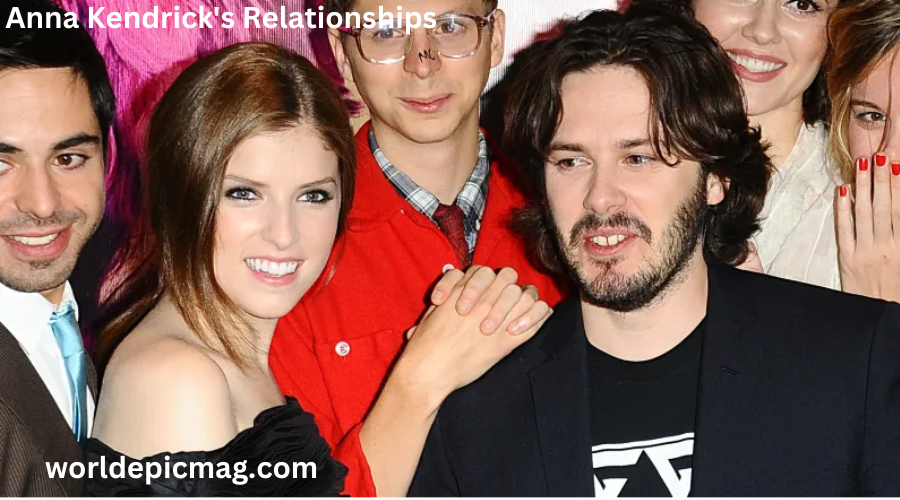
[[217, 103], [862, 33]]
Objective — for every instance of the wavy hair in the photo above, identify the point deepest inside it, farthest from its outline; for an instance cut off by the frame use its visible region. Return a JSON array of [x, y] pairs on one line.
[[694, 97]]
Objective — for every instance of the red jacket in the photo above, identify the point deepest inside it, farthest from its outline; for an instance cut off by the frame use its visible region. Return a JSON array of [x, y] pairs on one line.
[[333, 351]]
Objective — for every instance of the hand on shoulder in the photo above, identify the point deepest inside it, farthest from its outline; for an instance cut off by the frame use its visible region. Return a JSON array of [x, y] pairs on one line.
[[163, 395]]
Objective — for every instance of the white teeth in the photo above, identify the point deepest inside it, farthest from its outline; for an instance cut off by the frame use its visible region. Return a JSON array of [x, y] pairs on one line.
[[609, 241], [276, 269], [755, 65], [35, 241]]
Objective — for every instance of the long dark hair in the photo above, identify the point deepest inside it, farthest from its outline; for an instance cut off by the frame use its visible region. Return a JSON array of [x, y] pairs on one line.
[[694, 96], [218, 102]]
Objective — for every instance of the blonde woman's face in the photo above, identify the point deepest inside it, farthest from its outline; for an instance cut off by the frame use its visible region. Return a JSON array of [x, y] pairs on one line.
[[870, 128], [277, 220]]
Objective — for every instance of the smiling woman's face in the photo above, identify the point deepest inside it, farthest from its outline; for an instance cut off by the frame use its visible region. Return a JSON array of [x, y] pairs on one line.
[[776, 46], [873, 102], [277, 220]]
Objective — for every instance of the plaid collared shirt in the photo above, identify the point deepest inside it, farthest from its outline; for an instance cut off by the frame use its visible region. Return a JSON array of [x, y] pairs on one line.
[[471, 199]]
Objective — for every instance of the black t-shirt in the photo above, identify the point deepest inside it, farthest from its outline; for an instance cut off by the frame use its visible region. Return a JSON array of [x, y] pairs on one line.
[[642, 421]]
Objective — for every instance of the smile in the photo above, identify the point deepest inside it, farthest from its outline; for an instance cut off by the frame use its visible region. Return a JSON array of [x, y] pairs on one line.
[[35, 241], [755, 65], [605, 241], [274, 269]]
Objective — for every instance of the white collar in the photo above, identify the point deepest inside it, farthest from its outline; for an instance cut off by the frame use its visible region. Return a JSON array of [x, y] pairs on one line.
[[27, 315]]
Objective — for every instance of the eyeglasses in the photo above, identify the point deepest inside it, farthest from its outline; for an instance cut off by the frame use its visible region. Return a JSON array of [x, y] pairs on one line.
[[455, 36]]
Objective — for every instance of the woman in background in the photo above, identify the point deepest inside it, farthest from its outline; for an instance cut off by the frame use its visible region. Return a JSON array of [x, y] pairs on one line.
[[864, 84], [777, 48]]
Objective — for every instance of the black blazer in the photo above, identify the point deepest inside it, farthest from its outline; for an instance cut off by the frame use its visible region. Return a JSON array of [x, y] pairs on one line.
[[32, 429], [799, 395]]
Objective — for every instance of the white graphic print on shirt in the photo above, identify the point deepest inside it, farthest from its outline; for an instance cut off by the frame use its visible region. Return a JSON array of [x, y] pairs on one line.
[[632, 460]]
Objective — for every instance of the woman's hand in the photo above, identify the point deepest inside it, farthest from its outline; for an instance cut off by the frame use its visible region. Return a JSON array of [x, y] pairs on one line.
[[481, 318], [868, 230], [477, 281]]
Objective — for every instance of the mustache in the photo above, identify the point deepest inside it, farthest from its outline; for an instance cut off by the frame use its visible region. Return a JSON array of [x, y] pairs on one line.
[[593, 222], [24, 222]]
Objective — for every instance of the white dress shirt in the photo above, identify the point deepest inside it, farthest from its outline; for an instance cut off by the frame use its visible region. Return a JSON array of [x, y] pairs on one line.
[[27, 317], [797, 240]]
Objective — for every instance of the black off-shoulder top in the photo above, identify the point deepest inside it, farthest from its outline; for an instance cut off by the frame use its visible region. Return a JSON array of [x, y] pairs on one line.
[[283, 434]]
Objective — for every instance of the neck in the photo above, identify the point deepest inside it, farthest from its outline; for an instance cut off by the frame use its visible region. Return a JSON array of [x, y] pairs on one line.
[[654, 330], [54, 295], [253, 344], [442, 168], [780, 129], [264, 330]]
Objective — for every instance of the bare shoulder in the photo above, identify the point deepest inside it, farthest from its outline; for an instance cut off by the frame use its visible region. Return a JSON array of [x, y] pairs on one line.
[[161, 393]]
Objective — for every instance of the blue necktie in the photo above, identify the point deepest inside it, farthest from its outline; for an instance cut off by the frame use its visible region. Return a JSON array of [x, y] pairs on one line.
[[65, 329]]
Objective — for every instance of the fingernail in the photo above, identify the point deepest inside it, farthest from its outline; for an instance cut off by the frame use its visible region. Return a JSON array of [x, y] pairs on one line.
[[843, 190], [487, 325], [880, 160], [437, 295], [517, 327], [863, 164], [464, 306], [895, 168]]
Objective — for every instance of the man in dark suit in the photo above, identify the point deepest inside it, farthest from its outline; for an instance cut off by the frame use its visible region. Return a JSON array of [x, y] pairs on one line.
[[56, 110], [673, 373]]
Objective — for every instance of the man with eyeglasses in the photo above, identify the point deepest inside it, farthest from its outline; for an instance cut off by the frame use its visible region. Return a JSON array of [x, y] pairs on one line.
[[433, 196]]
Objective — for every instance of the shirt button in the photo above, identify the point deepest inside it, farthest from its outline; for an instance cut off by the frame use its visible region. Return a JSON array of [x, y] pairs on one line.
[[447, 267], [342, 349]]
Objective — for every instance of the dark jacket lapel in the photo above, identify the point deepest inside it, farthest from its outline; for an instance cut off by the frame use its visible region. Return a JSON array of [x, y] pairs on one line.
[[730, 362], [22, 389], [561, 405]]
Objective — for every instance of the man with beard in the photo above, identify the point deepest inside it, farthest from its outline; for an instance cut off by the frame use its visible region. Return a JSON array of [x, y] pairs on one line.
[[56, 108], [673, 373]]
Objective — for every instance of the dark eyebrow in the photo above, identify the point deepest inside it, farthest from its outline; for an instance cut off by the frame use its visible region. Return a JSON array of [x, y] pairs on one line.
[[624, 144], [565, 146], [9, 149], [75, 141], [244, 180], [260, 185], [864, 103], [320, 182]]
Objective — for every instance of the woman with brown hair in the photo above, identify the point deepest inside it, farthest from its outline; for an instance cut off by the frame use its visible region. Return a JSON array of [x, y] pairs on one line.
[[865, 36], [250, 171]]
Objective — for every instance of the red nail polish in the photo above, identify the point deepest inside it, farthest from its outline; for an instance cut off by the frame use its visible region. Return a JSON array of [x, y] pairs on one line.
[[880, 160], [844, 189], [863, 164], [895, 168]]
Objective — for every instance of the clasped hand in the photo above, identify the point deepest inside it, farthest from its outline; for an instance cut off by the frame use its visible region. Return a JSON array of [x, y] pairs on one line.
[[477, 319]]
